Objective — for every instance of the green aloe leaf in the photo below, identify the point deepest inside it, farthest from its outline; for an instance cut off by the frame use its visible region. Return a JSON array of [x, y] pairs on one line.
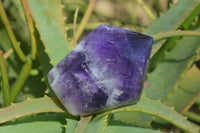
[[128, 129], [45, 65], [171, 20], [188, 89], [156, 109], [97, 125], [30, 107], [191, 18], [43, 123], [71, 125], [137, 119], [49, 20], [168, 73]]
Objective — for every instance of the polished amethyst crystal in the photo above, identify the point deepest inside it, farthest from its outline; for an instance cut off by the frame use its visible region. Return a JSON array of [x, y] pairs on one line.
[[105, 71]]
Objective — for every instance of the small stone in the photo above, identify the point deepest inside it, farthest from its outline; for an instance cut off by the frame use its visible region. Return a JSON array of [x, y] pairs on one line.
[[104, 71]]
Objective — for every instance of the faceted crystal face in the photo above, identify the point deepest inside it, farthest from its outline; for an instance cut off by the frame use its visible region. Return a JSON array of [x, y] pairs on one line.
[[106, 70]]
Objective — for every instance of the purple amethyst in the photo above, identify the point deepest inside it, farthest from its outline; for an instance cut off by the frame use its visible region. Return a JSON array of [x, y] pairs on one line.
[[105, 71]]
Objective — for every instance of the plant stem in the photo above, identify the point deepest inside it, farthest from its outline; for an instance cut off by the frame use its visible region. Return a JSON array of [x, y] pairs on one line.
[[84, 20], [25, 72], [8, 53], [164, 35], [30, 27], [146, 9], [11, 35], [193, 116], [74, 27], [82, 124], [5, 83]]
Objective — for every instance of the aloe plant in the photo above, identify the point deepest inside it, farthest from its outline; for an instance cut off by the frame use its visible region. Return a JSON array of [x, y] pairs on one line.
[[35, 35]]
